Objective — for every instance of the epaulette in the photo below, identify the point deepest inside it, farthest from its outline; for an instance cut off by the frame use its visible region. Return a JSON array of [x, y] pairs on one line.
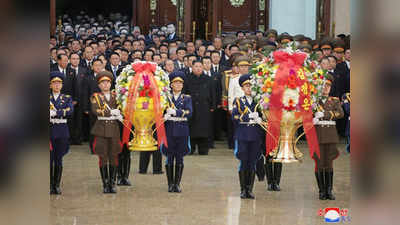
[[68, 96], [95, 94], [187, 96], [334, 98]]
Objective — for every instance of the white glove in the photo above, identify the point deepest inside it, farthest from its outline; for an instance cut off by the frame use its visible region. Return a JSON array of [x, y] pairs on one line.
[[319, 115], [257, 120], [167, 117], [171, 111], [53, 113], [120, 118], [253, 115], [115, 112], [315, 120]]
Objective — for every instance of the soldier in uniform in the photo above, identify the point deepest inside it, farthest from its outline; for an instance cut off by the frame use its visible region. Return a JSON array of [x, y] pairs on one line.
[[248, 137], [61, 107], [106, 130], [330, 109], [177, 129], [326, 46]]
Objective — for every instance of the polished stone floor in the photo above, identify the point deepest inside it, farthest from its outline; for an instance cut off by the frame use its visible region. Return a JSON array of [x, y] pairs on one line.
[[210, 194]]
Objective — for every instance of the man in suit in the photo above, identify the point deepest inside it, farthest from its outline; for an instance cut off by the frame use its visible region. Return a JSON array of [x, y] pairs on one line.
[[200, 88], [179, 62], [171, 32], [87, 61], [76, 124], [90, 87], [115, 66], [68, 86], [216, 70], [330, 110]]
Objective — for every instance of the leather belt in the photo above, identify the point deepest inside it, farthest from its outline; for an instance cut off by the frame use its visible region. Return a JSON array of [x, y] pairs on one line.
[[326, 123], [178, 119], [57, 121], [106, 118]]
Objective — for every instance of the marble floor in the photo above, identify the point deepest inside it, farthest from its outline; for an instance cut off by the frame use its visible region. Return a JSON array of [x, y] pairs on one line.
[[210, 194]]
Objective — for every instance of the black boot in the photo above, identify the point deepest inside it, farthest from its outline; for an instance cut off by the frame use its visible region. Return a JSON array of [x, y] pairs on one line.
[[270, 177], [277, 176], [126, 170], [120, 171], [113, 177], [260, 170], [242, 180], [57, 179], [170, 177], [52, 192], [104, 178], [319, 175], [178, 177], [251, 175], [329, 184]]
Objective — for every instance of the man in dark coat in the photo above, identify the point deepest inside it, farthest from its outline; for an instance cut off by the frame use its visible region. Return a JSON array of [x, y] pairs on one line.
[[200, 87]]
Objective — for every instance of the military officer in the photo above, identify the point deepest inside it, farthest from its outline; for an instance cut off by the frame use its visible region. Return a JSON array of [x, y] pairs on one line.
[[61, 107], [330, 109], [248, 137], [106, 130], [177, 129]]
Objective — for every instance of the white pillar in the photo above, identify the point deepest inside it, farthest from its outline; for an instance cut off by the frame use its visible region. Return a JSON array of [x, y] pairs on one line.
[[293, 16], [341, 16]]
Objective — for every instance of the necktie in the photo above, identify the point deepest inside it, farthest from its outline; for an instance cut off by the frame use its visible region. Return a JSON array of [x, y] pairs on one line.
[[115, 71]]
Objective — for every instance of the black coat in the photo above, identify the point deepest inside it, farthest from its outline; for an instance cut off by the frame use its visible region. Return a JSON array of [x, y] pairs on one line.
[[68, 83], [90, 87], [79, 84], [342, 81], [203, 94]]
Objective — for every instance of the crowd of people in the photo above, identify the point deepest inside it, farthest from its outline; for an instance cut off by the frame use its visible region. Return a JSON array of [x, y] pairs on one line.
[[85, 47]]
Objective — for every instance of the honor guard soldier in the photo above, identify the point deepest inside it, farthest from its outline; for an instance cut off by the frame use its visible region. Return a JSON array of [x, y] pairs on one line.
[[106, 130], [61, 107], [330, 109], [177, 129], [248, 137]]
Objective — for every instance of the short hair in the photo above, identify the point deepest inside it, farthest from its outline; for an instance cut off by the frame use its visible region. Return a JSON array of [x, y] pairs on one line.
[[114, 53], [97, 60], [232, 46], [152, 57], [59, 56], [197, 61], [53, 48], [215, 52], [333, 57], [204, 58], [74, 53], [124, 50]]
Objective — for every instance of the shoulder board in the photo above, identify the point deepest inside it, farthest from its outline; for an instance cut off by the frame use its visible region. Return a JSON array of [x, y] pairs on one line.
[[228, 72], [334, 98], [187, 96], [67, 96]]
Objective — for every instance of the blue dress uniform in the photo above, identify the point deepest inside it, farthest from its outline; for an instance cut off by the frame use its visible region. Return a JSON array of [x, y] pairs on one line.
[[59, 133], [177, 131], [247, 140]]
